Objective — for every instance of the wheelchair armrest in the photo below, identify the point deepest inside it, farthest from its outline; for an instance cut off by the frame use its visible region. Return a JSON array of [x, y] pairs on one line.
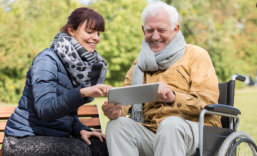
[[223, 109]]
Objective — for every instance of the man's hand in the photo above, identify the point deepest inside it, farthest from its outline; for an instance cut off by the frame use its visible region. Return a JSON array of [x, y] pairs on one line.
[[85, 135], [112, 110], [95, 91], [165, 94]]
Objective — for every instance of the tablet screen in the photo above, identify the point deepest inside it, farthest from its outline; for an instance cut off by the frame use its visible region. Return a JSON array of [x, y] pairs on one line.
[[134, 94]]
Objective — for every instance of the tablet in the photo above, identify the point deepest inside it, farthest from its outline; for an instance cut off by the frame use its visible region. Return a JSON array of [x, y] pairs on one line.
[[134, 94]]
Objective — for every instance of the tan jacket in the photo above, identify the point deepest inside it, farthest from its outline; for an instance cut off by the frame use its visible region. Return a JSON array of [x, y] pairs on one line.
[[194, 81]]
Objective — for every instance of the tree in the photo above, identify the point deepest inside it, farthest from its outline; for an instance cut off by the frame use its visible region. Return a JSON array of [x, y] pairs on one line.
[[217, 27], [123, 35], [227, 29], [27, 27], [31, 25]]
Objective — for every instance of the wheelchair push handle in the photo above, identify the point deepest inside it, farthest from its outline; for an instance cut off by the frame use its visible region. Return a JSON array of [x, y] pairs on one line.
[[238, 77]]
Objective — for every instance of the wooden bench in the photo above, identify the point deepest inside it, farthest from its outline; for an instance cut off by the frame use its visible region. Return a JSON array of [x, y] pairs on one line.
[[88, 115]]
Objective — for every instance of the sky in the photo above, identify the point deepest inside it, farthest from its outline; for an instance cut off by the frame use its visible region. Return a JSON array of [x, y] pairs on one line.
[[84, 1]]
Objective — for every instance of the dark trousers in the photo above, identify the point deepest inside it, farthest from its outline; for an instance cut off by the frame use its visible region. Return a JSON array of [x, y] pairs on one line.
[[52, 146]]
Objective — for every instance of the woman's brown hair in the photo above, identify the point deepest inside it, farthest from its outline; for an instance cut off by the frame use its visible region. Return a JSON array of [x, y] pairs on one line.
[[95, 21]]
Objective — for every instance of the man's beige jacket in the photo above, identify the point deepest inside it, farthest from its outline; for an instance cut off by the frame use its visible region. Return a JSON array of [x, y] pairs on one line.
[[194, 82]]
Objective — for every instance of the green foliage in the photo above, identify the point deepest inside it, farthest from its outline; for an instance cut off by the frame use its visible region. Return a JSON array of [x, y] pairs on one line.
[[123, 35], [26, 29], [226, 29]]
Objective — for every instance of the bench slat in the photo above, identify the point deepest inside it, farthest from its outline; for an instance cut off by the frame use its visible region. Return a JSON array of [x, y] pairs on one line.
[[88, 110], [2, 125], [91, 122], [85, 110], [1, 138], [5, 112]]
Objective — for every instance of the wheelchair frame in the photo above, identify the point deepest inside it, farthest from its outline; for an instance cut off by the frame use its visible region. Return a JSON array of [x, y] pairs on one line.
[[228, 134]]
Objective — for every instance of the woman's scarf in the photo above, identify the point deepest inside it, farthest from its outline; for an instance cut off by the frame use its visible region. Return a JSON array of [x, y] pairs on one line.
[[84, 68], [149, 61]]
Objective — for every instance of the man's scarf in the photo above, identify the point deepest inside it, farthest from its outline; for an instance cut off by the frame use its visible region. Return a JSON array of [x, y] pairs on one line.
[[84, 68], [149, 61]]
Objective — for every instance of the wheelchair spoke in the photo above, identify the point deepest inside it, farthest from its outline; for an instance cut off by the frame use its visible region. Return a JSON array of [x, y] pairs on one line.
[[238, 144], [242, 147]]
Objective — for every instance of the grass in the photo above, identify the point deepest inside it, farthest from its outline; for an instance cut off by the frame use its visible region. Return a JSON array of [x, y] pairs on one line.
[[99, 101], [245, 101]]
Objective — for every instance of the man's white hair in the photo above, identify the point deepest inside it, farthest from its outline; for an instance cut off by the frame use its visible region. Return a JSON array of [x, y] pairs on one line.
[[158, 6]]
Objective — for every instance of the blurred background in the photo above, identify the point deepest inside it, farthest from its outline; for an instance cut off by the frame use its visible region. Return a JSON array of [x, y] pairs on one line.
[[227, 29]]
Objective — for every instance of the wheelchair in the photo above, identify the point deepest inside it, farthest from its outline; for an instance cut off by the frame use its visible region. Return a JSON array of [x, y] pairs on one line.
[[225, 141]]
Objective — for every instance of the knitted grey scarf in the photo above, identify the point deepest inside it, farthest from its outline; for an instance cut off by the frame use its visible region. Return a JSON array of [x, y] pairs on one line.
[[84, 68], [149, 61]]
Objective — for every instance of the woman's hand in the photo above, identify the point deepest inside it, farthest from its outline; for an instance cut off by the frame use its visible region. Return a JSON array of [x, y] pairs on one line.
[[165, 94], [95, 91], [85, 135], [111, 110]]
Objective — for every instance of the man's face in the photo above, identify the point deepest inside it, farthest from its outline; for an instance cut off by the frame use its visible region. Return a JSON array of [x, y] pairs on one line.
[[157, 31]]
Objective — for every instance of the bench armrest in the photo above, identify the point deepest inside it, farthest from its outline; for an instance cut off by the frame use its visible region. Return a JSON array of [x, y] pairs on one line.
[[220, 108]]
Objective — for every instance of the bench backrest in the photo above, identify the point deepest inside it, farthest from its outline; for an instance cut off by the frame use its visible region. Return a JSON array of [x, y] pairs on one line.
[[88, 115]]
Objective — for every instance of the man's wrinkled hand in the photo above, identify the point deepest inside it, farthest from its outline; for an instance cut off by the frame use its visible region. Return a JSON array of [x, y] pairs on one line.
[[165, 94], [112, 110]]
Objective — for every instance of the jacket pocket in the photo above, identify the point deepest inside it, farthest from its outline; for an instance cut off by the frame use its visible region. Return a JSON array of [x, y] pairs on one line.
[[183, 75]]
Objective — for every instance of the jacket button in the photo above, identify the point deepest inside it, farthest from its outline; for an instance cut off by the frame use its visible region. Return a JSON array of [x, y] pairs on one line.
[[179, 105]]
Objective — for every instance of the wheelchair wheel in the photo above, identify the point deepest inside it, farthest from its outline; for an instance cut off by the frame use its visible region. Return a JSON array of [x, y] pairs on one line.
[[238, 144]]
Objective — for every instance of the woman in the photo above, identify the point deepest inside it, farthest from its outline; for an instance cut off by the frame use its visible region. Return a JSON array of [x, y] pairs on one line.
[[60, 79]]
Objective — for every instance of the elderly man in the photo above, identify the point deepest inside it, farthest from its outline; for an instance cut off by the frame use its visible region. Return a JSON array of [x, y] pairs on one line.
[[169, 125]]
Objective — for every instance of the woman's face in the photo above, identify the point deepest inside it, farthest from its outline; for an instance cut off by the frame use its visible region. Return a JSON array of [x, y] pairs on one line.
[[87, 38]]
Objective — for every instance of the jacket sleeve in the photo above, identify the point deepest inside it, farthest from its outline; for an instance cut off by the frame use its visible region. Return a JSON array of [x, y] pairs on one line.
[[48, 104], [203, 85], [77, 126]]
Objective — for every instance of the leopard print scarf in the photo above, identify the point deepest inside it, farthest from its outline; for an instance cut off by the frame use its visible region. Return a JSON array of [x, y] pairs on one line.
[[84, 68]]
